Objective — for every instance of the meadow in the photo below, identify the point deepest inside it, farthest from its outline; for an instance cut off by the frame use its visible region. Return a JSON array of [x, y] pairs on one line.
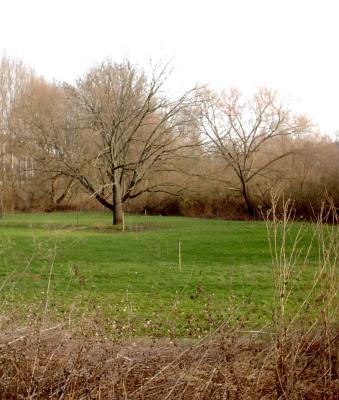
[[170, 308], [162, 276]]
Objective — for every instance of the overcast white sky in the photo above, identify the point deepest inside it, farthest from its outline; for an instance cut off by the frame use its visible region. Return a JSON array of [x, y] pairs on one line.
[[289, 45]]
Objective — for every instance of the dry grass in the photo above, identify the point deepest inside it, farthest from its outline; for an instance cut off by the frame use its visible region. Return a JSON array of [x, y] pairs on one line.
[[57, 364]]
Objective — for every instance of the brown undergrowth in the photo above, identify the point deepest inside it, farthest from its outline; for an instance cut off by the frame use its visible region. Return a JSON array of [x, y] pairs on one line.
[[58, 364]]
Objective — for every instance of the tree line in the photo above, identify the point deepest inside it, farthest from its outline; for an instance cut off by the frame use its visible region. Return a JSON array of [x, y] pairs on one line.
[[118, 137]]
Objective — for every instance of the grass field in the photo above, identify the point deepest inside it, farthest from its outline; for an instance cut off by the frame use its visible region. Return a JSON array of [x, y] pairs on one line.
[[136, 279]]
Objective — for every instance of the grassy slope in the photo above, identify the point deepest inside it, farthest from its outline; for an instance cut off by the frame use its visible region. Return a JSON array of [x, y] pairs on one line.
[[134, 276]]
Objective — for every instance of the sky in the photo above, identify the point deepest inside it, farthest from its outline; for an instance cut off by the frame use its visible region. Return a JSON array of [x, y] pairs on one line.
[[288, 45]]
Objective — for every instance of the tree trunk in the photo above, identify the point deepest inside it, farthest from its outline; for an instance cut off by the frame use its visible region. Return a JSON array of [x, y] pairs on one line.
[[65, 192], [118, 209], [249, 204]]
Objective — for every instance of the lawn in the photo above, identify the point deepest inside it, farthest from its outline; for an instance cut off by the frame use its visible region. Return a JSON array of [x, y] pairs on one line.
[[136, 279]]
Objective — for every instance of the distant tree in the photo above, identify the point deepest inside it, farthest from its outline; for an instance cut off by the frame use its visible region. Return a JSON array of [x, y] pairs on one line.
[[14, 78], [241, 130], [45, 131]]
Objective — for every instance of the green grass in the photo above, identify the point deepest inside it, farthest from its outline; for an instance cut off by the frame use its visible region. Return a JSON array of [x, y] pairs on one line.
[[133, 277]]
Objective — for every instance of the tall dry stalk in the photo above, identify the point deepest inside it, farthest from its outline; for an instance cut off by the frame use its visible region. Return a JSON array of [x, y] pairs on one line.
[[290, 258]]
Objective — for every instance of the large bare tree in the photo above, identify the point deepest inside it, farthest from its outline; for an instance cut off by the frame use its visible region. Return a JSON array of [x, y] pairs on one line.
[[114, 132], [249, 135]]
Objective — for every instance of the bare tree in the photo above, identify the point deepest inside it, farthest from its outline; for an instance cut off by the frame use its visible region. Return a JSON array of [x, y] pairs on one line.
[[114, 132], [249, 135], [14, 77], [133, 133], [44, 130]]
